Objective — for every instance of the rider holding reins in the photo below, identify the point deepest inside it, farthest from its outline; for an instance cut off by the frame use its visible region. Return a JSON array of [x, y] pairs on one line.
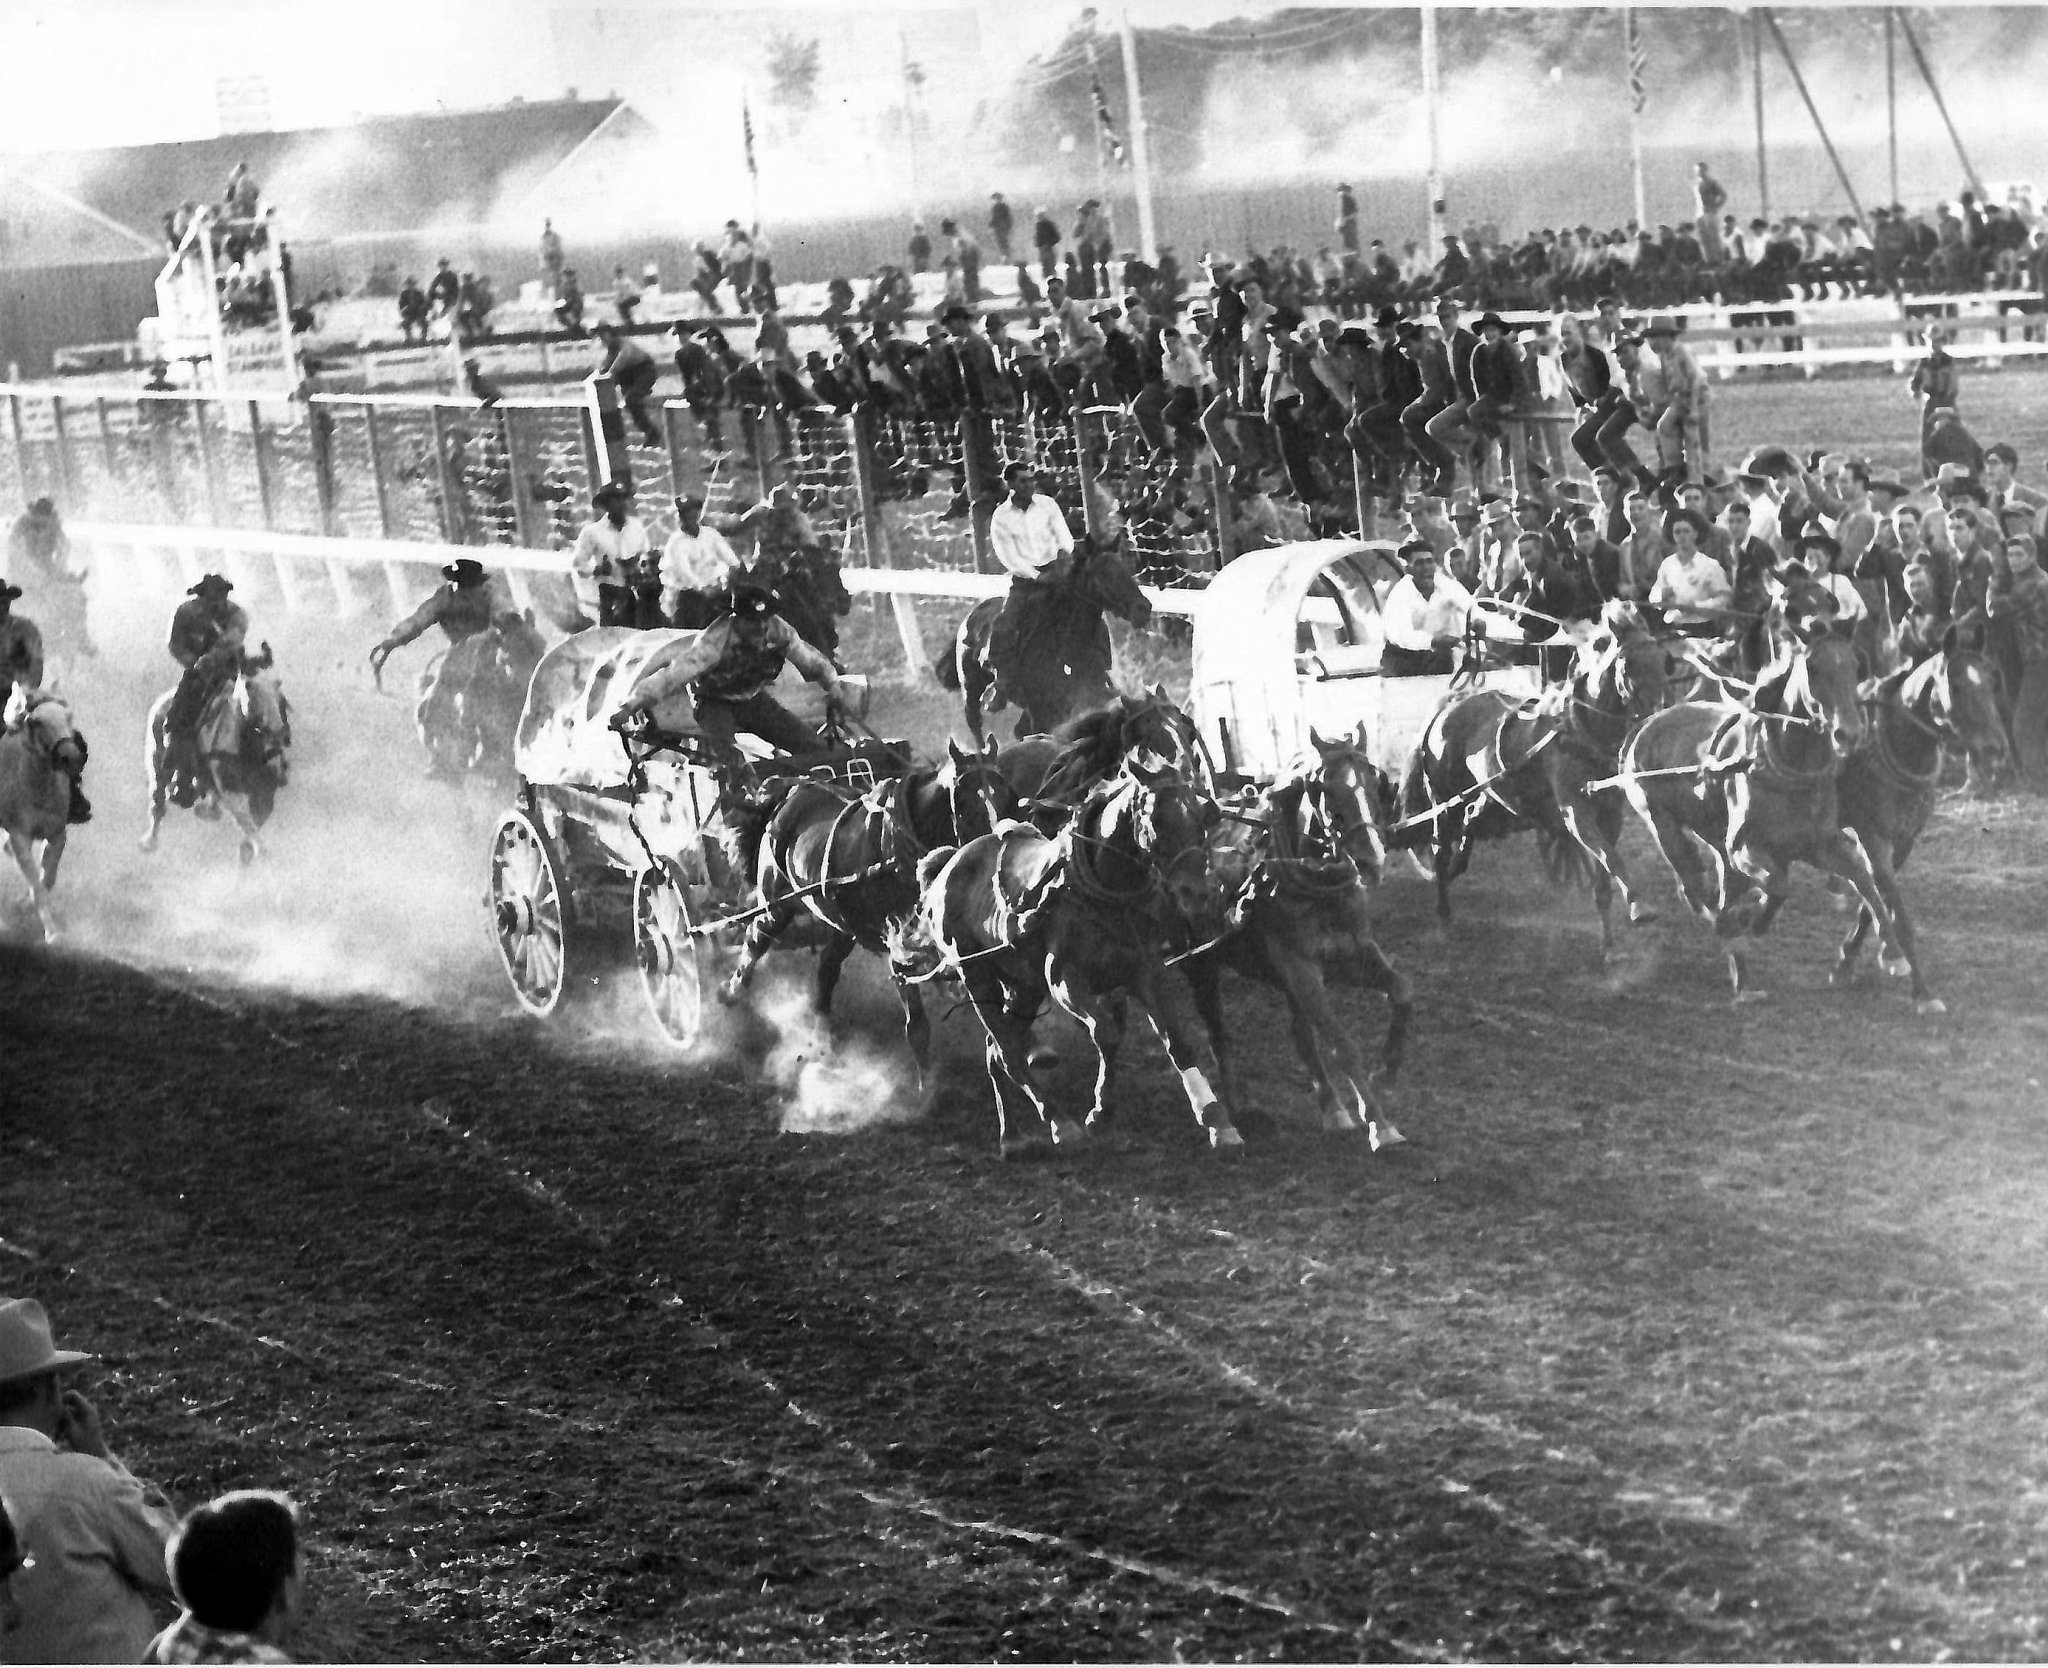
[[463, 608], [1030, 537], [730, 668], [207, 634]]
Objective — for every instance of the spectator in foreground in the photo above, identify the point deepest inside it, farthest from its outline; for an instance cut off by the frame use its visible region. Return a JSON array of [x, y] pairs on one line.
[[95, 1538], [235, 1566]]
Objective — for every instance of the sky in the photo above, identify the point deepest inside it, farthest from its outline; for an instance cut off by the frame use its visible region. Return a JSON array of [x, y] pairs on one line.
[[149, 69]]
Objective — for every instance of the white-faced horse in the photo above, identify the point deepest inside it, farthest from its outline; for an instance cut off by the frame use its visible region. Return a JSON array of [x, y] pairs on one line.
[[245, 733], [41, 756]]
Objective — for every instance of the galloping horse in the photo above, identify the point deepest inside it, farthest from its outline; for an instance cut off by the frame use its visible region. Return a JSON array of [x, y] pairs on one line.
[[470, 704], [1145, 729], [1087, 918], [1886, 791], [41, 757], [1068, 666], [849, 862], [1495, 766], [1755, 786], [1299, 876], [244, 735]]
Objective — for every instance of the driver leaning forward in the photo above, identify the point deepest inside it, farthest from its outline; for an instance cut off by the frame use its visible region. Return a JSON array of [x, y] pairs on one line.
[[729, 670], [1424, 616], [207, 634], [1029, 536]]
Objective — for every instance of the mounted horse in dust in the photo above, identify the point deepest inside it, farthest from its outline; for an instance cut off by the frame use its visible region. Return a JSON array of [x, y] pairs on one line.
[[42, 758], [1045, 648], [471, 698], [220, 739]]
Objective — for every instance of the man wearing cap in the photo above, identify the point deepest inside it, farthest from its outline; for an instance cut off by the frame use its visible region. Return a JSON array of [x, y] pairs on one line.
[[94, 1536], [2017, 600], [207, 634], [1424, 616], [696, 564], [612, 557], [730, 668], [1691, 586], [1031, 539]]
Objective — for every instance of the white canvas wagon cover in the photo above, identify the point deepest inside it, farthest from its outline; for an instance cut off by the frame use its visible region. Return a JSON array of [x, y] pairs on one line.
[[565, 733]]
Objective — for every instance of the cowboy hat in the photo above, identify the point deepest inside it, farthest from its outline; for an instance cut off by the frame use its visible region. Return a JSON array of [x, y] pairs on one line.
[[464, 570], [1492, 321], [211, 585], [1816, 540], [1662, 325], [9, 591], [608, 492], [751, 600], [25, 1347], [1890, 484]]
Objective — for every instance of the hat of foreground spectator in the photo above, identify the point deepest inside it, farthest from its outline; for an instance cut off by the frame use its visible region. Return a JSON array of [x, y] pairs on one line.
[[1770, 463], [1492, 321], [1662, 325], [611, 492], [1889, 486], [1826, 543], [210, 585], [26, 1348]]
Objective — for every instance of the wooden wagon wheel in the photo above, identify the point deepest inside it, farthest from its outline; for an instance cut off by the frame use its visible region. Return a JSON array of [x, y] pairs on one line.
[[546, 957], [674, 963]]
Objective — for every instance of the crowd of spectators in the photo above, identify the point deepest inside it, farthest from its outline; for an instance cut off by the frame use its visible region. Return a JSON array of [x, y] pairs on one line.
[[95, 1566]]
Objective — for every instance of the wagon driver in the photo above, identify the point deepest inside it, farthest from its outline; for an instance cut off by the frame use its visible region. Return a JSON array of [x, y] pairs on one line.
[[1424, 616], [1030, 537], [730, 668], [462, 607], [207, 634]]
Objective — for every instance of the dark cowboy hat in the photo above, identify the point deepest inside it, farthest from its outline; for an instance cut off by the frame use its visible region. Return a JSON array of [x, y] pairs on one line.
[[212, 585], [750, 600], [42, 506], [1386, 318], [1691, 518], [1769, 462], [1662, 325], [9, 592], [464, 570], [1826, 543], [608, 492], [1890, 485], [960, 310], [1492, 321], [681, 327]]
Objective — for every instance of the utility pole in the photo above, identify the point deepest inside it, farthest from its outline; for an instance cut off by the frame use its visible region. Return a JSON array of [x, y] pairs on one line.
[[913, 83], [1891, 95], [1940, 103], [1095, 120], [1141, 144], [1632, 50], [1432, 93], [1756, 65], [1813, 110]]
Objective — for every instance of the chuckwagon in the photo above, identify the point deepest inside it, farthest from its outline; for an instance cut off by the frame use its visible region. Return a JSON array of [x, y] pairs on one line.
[[1287, 646], [619, 830]]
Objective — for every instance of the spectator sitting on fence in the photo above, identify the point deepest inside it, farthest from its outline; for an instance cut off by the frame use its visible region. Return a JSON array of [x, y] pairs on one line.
[[625, 294], [631, 367], [236, 1566], [568, 307], [412, 310], [475, 302], [444, 290]]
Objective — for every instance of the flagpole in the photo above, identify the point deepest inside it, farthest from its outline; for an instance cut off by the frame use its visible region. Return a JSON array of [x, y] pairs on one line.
[[1633, 47], [1431, 95], [1141, 142], [1101, 142], [753, 166]]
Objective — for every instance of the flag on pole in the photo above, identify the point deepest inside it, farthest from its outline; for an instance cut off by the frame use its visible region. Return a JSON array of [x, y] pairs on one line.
[[1638, 59], [1112, 143], [747, 132]]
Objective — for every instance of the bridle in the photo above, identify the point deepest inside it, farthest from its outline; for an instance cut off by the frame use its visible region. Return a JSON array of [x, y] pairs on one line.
[[47, 741]]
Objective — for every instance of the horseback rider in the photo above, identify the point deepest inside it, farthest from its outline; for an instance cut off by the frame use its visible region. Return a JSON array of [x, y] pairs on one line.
[[730, 668], [21, 667], [207, 634], [38, 548], [1030, 537], [463, 608]]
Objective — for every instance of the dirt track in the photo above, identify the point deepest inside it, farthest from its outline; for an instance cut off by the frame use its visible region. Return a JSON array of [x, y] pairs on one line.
[[1677, 1332]]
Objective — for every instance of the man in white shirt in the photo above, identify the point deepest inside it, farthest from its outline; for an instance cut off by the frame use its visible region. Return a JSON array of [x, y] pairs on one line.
[[1030, 537], [1691, 586], [612, 558], [1423, 617], [695, 562]]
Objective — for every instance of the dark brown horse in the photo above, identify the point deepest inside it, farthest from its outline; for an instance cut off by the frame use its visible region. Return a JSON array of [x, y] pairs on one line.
[[1488, 766], [1146, 728], [1299, 876], [849, 861], [1886, 791], [1067, 669], [1755, 788], [1086, 918]]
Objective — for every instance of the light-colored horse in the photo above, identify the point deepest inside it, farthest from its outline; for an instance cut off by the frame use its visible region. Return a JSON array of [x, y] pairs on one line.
[[41, 755], [245, 733]]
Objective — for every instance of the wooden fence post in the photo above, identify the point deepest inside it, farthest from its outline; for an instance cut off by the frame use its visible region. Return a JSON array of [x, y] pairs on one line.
[[977, 451], [1084, 462], [881, 550]]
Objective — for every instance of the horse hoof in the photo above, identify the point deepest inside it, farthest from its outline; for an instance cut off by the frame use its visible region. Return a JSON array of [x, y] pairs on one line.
[[248, 852], [1068, 1136], [1383, 1135], [1226, 1141], [1897, 966], [1641, 915], [1929, 1007], [148, 841]]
